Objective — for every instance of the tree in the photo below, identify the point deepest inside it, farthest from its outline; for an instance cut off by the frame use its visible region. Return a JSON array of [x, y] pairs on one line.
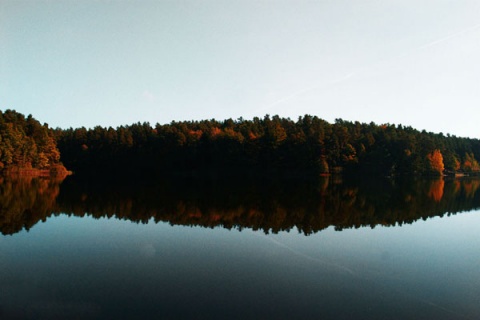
[[435, 159], [470, 164], [25, 143]]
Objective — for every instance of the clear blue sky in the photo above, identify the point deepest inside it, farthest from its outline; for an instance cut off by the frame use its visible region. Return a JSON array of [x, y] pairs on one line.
[[108, 63]]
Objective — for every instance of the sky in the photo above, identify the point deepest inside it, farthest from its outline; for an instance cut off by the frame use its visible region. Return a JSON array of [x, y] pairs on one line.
[[111, 63]]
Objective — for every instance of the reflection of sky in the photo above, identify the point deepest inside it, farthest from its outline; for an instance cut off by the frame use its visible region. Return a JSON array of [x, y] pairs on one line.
[[110, 268]]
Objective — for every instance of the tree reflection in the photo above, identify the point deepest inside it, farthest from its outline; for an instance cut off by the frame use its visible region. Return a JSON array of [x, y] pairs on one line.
[[26, 200], [436, 190], [308, 206]]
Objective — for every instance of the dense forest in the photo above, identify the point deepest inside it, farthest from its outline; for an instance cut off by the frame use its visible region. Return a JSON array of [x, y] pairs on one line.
[[26, 146], [271, 146]]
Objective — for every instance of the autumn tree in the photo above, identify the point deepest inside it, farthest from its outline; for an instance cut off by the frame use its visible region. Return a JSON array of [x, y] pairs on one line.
[[25, 143], [470, 164], [435, 160]]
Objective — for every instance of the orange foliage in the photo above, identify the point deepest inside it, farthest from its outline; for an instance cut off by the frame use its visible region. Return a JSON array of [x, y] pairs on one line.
[[252, 136], [457, 164], [471, 188], [456, 187], [253, 213], [229, 132], [216, 131], [436, 161], [195, 213], [436, 190], [216, 217], [195, 133]]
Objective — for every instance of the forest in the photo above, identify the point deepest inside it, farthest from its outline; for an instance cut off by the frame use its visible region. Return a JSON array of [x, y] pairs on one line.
[[268, 146], [27, 147]]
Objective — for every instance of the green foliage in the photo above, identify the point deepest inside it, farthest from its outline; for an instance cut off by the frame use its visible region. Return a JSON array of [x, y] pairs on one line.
[[470, 164]]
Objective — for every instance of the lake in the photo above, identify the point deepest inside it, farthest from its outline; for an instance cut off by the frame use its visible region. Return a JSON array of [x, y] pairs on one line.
[[190, 249]]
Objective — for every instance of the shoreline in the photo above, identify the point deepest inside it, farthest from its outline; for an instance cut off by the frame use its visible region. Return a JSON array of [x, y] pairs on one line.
[[54, 171]]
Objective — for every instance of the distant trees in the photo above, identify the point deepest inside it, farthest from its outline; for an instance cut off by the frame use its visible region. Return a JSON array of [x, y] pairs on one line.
[[271, 145], [308, 146]]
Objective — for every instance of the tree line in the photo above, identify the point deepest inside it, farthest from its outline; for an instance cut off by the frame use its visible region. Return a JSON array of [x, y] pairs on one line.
[[270, 145]]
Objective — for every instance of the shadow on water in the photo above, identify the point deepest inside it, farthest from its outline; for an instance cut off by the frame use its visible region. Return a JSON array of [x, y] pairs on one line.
[[271, 206]]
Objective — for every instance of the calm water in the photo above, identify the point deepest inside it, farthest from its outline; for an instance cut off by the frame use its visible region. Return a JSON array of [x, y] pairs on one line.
[[214, 251]]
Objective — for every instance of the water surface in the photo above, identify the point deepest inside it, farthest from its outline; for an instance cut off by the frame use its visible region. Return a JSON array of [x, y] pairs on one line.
[[218, 252]]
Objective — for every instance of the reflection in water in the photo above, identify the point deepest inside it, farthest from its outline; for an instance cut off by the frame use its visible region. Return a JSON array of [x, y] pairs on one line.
[[26, 200], [77, 267], [436, 190], [271, 207]]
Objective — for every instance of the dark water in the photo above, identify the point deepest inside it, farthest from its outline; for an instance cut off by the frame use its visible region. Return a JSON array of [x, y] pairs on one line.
[[228, 250]]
